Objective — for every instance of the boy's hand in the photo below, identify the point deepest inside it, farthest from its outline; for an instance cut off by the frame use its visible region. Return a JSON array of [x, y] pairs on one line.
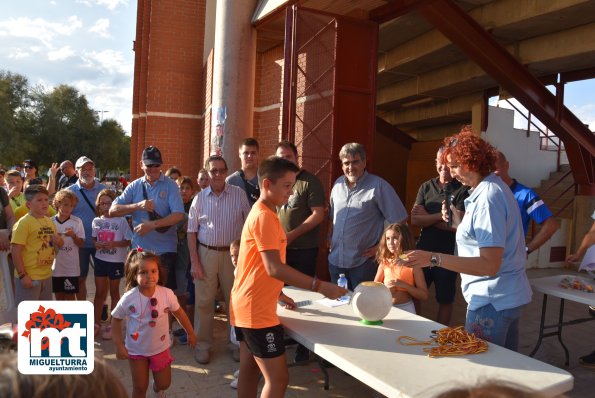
[[286, 302], [57, 240], [26, 282], [122, 352], [191, 339], [331, 290], [12, 192]]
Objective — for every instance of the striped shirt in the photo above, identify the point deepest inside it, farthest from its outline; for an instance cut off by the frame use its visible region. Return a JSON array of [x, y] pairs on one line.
[[218, 220]]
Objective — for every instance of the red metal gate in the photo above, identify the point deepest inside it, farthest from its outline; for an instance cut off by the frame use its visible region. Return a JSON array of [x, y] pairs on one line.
[[329, 92]]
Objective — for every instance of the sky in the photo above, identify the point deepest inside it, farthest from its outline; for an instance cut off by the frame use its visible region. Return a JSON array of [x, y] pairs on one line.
[[86, 44]]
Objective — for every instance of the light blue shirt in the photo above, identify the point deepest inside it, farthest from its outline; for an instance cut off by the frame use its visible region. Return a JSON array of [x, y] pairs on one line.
[[358, 215], [83, 210], [167, 200], [493, 219]]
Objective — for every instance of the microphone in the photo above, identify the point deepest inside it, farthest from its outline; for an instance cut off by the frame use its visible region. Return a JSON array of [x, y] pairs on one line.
[[448, 197]]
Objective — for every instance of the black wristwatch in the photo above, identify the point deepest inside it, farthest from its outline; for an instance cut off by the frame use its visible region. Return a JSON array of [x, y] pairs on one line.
[[433, 260]]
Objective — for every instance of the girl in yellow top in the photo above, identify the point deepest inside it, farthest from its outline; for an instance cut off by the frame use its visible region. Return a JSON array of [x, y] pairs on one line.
[[405, 283]]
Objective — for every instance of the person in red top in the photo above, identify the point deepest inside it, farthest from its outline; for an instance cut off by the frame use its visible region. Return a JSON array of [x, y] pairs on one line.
[[261, 272]]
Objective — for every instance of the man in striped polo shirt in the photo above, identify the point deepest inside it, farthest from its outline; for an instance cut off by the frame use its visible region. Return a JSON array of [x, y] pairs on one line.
[[216, 218]]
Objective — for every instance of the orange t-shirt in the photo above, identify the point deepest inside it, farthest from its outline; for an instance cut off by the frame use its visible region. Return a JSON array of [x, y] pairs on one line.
[[394, 272], [254, 294]]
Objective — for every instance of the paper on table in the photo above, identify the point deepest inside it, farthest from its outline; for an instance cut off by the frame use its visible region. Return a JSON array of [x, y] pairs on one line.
[[332, 303]]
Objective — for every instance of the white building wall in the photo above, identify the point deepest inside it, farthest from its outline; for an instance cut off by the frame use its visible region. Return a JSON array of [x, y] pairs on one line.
[[528, 164]]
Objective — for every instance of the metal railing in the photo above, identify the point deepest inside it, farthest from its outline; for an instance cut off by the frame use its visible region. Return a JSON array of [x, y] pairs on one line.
[[547, 139]]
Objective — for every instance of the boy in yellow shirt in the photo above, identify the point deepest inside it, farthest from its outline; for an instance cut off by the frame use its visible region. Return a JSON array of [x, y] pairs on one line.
[[34, 244], [261, 272]]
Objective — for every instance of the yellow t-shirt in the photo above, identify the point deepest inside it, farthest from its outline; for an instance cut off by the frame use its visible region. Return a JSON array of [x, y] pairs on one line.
[[22, 210], [254, 294], [35, 234]]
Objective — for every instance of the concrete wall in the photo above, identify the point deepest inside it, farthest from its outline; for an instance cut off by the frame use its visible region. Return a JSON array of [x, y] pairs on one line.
[[528, 164]]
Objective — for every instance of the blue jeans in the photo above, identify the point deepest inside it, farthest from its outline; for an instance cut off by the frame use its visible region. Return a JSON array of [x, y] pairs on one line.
[[498, 327], [356, 275]]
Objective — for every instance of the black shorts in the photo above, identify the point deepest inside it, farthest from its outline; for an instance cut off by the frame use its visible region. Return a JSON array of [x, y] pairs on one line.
[[446, 283], [65, 284], [167, 271], [112, 270], [263, 343]]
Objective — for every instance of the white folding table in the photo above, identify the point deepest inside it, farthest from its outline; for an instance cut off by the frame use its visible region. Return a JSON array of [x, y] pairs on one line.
[[550, 286], [372, 354]]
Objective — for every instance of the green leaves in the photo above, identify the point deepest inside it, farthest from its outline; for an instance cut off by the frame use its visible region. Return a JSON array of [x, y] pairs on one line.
[[55, 125]]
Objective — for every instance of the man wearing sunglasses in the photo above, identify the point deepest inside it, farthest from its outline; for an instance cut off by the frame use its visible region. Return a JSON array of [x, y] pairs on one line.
[[155, 204]]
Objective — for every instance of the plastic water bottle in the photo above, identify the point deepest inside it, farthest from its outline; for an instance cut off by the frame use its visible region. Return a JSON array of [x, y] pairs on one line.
[[342, 282]]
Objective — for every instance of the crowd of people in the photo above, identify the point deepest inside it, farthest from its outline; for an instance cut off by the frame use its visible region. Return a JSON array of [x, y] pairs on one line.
[[245, 234]]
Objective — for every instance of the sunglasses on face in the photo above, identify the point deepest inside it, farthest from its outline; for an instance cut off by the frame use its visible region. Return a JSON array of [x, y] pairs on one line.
[[152, 166], [29, 167]]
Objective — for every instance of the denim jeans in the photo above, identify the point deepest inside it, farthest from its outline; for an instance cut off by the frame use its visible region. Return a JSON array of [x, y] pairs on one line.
[[356, 275], [498, 327]]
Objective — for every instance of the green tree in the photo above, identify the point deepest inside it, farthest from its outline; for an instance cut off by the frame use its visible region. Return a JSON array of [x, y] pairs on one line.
[[53, 125], [15, 121]]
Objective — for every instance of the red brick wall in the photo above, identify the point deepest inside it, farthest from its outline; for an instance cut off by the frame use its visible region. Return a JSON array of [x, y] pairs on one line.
[[168, 96], [269, 95]]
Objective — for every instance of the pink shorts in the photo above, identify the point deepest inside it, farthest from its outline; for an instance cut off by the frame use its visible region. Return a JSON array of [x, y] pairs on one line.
[[157, 362]]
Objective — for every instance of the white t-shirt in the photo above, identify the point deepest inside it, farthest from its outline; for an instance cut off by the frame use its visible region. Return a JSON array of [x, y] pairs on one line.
[[141, 338], [66, 262], [111, 229]]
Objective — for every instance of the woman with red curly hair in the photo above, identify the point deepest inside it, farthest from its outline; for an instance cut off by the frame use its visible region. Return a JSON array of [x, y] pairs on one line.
[[490, 244]]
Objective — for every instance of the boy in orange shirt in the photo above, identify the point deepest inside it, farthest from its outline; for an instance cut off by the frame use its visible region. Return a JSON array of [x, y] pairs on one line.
[[261, 273]]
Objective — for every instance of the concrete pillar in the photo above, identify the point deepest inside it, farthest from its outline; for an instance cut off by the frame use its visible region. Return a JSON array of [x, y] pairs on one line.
[[233, 76]]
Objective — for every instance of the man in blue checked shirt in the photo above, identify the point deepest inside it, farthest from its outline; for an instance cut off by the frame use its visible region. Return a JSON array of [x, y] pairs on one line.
[[360, 205]]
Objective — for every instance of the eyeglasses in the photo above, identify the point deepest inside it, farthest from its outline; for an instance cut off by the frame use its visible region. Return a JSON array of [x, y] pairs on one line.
[[152, 166], [154, 312], [217, 171]]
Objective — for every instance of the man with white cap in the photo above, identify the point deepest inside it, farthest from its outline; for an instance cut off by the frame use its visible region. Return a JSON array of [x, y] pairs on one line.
[[86, 190], [155, 203]]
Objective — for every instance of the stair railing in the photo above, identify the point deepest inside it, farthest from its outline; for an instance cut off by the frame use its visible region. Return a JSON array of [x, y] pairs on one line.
[[545, 137]]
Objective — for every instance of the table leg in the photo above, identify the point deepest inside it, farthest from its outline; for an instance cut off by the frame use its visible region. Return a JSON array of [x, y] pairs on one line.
[[560, 324], [324, 372], [541, 325]]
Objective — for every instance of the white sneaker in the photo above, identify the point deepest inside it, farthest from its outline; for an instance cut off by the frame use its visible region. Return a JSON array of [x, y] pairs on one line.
[[234, 384], [236, 374]]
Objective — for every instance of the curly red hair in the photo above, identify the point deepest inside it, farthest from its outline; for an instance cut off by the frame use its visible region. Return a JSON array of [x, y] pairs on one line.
[[467, 149]]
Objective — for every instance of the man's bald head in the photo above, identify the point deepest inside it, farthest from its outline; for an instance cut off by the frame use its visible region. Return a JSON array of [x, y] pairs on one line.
[[67, 168]]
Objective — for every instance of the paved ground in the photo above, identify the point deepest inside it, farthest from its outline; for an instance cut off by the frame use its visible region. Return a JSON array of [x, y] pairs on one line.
[[191, 379]]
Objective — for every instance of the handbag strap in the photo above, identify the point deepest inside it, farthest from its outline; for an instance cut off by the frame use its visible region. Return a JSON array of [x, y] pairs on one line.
[[87, 199]]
